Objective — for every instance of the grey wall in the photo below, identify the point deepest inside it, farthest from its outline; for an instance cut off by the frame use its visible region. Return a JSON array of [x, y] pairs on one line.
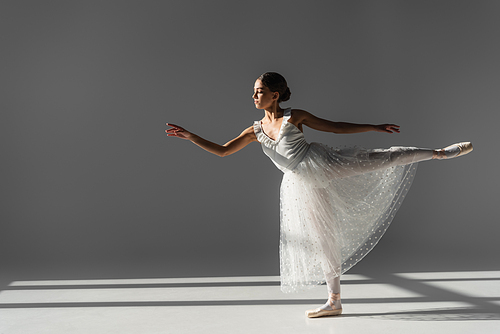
[[91, 185]]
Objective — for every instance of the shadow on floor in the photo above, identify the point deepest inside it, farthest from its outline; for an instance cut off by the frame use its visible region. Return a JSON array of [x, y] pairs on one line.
[[481, 308], [456, 314]]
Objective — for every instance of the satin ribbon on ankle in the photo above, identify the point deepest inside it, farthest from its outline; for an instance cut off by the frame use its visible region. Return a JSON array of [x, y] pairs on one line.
[[332, 298]]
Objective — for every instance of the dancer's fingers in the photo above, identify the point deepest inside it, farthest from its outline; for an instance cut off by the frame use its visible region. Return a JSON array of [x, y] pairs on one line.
[[174, 126], [395, 129], [172, 133], [391, 128]]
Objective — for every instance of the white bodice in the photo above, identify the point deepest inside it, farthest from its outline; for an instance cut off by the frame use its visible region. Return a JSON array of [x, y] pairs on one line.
[[290, 146]]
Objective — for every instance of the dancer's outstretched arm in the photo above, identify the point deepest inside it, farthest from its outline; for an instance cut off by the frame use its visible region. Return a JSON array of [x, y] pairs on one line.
[[232, 146], [308, 119]]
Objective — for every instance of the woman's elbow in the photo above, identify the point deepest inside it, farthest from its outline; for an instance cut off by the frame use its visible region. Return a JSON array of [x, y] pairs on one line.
[[224, 153]]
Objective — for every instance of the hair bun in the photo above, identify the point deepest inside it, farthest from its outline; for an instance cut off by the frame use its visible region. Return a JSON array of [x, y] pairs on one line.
[[276, 83], [286, 95]]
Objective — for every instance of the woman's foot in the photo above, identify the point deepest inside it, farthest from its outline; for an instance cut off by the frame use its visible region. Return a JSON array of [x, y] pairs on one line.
[[333, 306], [453, 151]]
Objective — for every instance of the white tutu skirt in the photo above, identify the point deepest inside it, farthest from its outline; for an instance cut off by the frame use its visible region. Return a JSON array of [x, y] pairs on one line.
[[335, 206]]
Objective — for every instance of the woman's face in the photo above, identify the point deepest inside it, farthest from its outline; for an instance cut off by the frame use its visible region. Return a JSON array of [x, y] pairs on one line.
[[262, 96]]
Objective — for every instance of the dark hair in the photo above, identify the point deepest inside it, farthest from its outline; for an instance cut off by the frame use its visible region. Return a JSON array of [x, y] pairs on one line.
[[276, 83]]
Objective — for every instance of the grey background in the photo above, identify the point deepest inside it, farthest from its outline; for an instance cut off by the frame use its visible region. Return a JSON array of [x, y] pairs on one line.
[[92, 187]]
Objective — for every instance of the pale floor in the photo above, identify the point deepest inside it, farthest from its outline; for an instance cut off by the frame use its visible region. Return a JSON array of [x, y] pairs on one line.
[[427, 302]]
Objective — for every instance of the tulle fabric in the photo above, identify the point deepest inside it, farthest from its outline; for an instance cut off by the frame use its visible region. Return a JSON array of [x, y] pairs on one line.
[[335, 206]]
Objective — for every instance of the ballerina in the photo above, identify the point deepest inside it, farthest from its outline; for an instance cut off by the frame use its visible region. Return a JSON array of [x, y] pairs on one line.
[[335, 203]]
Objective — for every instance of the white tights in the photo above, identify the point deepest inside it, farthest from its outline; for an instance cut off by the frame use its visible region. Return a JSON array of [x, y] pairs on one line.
[[333, 287], [382, 159]]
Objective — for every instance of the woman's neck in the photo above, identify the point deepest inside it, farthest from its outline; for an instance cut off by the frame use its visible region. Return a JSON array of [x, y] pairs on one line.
[[273, 113]]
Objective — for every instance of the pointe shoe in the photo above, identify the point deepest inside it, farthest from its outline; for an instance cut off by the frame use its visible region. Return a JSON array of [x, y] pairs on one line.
[[322, 313], [463, 148], [333, 308]]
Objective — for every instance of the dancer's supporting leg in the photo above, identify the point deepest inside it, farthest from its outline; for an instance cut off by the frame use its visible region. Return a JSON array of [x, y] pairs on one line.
[[333, 305], [333, 286], [324, 230]]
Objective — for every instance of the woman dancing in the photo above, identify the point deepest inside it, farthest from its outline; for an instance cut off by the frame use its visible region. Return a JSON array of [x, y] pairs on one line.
[[335, 203]]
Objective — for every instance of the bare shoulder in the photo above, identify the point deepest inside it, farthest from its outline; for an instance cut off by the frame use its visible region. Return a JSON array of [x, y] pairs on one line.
[[300, 113], [248, 130], [249, 133], [299, 116]]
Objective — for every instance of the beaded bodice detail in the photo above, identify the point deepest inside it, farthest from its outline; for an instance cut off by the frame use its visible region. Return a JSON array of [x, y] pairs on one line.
[[288, 149]]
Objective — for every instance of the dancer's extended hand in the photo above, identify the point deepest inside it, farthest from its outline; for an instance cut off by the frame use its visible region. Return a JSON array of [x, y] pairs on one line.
[[177, 131], [387, 128]]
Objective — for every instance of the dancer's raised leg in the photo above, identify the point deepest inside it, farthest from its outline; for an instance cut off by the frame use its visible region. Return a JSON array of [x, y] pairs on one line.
[[396, 156]]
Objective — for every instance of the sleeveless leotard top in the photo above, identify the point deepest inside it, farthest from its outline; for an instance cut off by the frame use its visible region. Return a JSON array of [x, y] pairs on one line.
[[290, 146]]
